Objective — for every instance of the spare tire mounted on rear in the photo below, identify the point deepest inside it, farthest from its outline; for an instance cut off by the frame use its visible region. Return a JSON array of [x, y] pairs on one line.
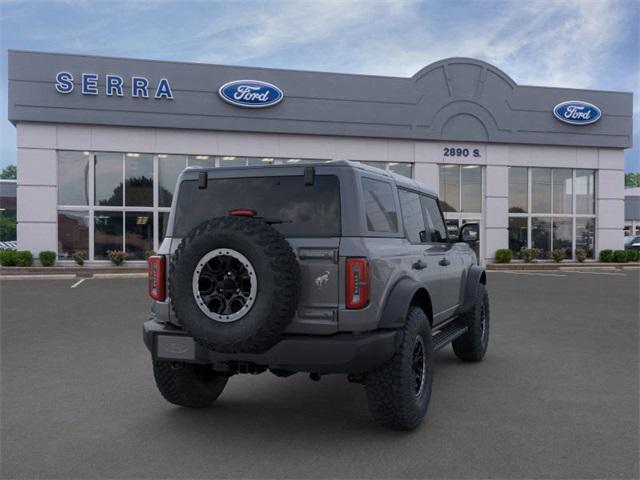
[[234, 284]]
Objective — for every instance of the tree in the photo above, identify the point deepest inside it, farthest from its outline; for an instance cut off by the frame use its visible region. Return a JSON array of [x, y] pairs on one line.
[[9, 173], [632, 180]]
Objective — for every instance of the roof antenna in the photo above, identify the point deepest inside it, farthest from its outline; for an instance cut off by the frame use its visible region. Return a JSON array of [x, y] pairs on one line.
[[309, 175], [202, 180]]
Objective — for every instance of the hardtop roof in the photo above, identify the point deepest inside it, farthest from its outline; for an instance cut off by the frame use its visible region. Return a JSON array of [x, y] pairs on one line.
[[399, 180]]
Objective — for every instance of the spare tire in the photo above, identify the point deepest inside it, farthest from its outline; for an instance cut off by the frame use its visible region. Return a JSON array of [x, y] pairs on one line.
[[234, 284]]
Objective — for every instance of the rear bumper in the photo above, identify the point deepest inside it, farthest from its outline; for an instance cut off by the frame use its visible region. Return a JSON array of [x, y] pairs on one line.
[[339, 353]]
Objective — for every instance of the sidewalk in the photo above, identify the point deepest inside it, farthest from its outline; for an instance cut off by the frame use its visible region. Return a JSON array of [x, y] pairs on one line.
[[562, 265]]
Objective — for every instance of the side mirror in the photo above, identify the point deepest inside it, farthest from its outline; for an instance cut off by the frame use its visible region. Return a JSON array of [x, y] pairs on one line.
[[470, 232], [453, 233]]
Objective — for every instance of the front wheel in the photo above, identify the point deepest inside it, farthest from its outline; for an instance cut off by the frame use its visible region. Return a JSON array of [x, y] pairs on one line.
[[472, 346], [398, 394], [188, 385]]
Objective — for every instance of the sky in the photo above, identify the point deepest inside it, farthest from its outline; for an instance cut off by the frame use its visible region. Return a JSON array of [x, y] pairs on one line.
[[566, 43]]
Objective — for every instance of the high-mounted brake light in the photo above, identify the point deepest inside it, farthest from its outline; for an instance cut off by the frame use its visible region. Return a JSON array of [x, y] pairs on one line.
[[242, 212], [357, 283], [157, 277]]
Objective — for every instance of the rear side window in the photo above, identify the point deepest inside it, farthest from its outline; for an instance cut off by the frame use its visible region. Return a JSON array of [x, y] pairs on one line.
[[412, 216], [380, 207], [303, 210], [436, 223]]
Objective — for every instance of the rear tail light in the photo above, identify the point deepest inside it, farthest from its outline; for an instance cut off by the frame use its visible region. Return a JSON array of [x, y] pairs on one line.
[[357, 283], [157, 277]]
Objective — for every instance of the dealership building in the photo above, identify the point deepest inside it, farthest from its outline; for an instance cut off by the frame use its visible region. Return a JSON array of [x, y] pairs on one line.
[[102, 140]]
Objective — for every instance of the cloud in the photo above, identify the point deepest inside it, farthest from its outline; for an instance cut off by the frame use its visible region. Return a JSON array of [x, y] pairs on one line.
[[570, 43]]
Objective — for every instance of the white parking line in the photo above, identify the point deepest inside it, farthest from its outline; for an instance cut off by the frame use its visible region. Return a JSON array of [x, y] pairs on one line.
[[598, 273], [531, 273], [78, 283]]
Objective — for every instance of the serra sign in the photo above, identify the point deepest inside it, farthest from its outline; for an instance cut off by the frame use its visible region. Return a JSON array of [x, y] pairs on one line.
[[113, 85]]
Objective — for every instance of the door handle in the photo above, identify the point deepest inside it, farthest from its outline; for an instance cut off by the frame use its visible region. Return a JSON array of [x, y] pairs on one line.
[[444, 262], [419, 265]]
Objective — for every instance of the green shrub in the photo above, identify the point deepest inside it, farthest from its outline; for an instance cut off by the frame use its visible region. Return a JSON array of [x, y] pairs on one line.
[[80, 256], [503, 255], [8, 258], [24, 258], [47, 258], [117, 257], [526, 254], [558, 255], [149, 253], [606, 255], [530, 254], [581, 254], [620, 256], [633, 255]]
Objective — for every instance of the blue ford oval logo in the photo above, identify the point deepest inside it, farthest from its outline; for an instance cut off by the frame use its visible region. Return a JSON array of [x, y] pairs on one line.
[[251, 93], [577, 112]]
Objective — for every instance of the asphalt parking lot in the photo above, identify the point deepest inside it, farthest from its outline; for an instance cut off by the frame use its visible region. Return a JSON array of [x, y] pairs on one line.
[[556, 397]]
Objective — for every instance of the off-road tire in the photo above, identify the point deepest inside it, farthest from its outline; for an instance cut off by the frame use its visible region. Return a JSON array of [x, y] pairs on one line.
[[472, 346], [188, 385], [277, 273], [391, 394]]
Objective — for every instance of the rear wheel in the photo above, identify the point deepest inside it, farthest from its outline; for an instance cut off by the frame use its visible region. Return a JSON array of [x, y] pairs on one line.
[[398, 394], [188, 385], [472, 346]]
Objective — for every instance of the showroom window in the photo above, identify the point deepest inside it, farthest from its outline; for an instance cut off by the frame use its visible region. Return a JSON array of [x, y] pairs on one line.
[[551, 208], [461, 194], [121, 200]]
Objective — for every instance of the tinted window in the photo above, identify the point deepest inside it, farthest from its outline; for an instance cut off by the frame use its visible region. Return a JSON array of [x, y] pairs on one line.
[[471, 188], [73, 232], [585, 185], [138, 234], [436, 223], [108, 233], [380, 207], [541, 190], [304, 210], [450, 187], [562, 191], [73, 178], [518, 190], [108, 179], [138, 172], [412, 216], [169, 167]]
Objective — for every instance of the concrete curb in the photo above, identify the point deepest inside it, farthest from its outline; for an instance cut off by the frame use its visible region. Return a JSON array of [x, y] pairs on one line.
[[81, 272], [497, 267]]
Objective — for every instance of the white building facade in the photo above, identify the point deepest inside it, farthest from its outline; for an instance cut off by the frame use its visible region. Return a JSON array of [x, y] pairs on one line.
[[96, 171]]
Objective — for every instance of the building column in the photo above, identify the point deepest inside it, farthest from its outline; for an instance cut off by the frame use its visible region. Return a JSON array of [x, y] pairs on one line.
[[496, 210], [36, 194], [610, 200]]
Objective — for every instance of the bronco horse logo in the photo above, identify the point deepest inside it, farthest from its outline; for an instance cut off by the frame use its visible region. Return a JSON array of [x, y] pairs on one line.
[[322, 280]]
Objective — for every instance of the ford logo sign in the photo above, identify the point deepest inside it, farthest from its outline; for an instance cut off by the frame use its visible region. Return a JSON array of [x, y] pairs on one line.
[[250, 93], [577, 112]]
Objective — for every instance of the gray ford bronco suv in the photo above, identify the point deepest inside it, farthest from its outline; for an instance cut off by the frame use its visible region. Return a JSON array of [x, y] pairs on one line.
[[323, 268]]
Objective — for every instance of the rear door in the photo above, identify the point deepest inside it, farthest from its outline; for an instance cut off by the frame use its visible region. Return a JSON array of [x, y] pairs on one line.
[[423, 262], [448, 290]]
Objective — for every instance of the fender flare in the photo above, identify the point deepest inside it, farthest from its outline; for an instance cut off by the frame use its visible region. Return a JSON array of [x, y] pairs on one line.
[[475, 277], [397, 303]]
